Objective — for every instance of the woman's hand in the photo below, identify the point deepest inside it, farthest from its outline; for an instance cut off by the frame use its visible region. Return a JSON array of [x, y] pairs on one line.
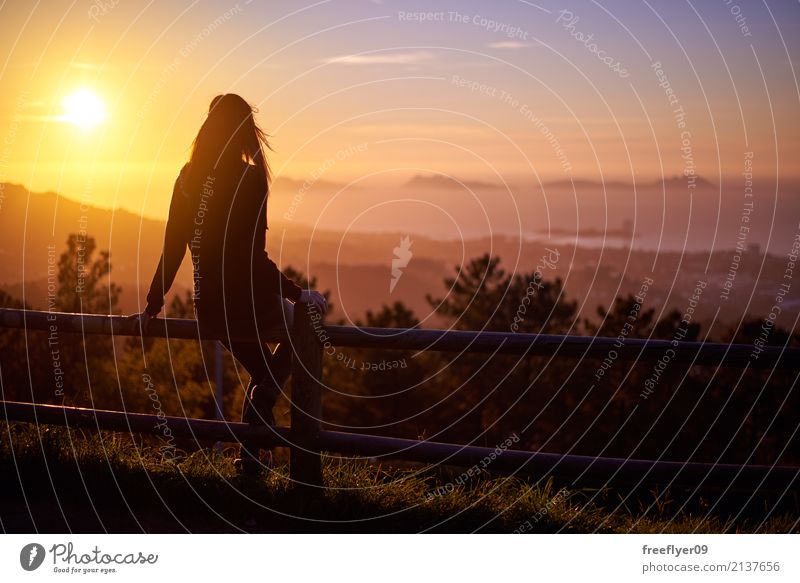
[[314, 298], [142, 320]]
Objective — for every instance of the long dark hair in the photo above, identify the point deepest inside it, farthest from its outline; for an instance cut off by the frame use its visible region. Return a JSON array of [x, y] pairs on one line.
[[228, 135]]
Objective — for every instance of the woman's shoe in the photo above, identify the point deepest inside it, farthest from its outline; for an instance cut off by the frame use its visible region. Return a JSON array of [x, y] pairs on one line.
[[259, 404], [246, 464]]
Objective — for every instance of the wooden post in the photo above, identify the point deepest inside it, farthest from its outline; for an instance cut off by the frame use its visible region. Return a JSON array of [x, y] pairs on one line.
[[306, 465], [219, 413]]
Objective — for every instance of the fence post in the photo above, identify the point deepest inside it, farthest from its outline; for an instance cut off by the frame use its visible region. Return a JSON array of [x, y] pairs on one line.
[[305, 463], [219, 414]]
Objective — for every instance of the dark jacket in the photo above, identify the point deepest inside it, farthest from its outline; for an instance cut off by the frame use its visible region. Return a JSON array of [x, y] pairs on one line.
[[223, 224]]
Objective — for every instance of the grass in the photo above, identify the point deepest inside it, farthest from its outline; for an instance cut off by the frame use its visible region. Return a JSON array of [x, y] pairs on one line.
[[63, 480]]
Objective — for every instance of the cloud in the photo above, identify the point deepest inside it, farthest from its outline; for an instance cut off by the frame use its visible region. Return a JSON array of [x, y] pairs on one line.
[[508, 44], [382, 58]]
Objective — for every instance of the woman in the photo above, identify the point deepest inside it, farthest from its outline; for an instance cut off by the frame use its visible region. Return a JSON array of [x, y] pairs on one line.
[[219, 212]]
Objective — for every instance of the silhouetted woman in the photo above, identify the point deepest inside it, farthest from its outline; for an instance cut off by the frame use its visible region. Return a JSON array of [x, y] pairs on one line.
[[219, 212]]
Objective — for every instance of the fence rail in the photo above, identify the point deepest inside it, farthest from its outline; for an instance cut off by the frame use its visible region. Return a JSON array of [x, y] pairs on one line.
[[587, 471], [307, 440], [700, 353]]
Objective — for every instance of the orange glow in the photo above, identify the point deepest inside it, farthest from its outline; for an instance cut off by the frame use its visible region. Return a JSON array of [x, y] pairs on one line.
[[84, 109]]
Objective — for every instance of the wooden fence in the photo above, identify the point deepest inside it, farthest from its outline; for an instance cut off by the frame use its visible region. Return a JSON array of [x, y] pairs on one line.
[[307, 440]]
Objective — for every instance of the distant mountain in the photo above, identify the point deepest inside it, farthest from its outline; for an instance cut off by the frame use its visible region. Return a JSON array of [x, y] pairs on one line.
[[30, 222], [356, 266], [290, 186], [683, 181], [34, 228], [439, 181], [672, 181], [582, 183]]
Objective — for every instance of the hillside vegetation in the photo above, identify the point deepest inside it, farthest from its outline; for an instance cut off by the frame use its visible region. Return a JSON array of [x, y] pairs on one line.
[[60, 480]]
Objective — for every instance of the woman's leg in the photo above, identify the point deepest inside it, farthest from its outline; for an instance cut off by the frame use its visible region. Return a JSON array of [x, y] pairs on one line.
[[259, 397], [268, 370], [281, 367]]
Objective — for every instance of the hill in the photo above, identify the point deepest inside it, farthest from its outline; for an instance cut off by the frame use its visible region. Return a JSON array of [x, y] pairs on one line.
[[355, 265]]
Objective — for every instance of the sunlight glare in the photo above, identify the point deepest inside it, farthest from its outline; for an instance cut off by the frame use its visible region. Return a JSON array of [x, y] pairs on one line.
[[84, 109]]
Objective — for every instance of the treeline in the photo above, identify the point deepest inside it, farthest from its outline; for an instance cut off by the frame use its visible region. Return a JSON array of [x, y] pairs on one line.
[[608, 407]]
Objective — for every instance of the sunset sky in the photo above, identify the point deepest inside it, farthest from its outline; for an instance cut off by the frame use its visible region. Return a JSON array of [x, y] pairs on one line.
[[502, 91]]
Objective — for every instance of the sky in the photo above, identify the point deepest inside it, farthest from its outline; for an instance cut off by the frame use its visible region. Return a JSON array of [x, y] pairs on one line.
[[376, 92]]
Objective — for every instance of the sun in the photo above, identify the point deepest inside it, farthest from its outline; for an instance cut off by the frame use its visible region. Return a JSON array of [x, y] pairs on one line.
[[84, 109]]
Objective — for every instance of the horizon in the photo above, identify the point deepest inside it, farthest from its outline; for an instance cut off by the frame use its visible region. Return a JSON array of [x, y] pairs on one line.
[[614, 236], [483, 94], [732, 182]]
